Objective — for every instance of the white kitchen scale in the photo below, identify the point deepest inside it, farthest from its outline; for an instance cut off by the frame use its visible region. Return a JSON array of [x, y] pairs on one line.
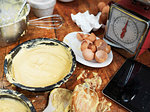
[[128, 28]]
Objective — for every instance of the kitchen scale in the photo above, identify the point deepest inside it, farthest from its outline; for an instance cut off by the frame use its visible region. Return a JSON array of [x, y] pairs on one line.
[[128, 29]]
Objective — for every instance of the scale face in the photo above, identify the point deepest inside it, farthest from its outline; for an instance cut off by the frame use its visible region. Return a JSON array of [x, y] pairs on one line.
[[126, 28]]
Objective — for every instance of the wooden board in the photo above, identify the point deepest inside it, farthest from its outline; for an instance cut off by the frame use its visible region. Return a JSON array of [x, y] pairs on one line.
[[40, 99]]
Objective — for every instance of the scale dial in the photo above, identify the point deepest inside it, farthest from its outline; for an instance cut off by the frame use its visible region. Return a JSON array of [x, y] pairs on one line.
[[125, 28]]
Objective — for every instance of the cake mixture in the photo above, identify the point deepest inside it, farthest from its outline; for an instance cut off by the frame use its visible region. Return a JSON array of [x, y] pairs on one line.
[[12, 105], [41, 66]]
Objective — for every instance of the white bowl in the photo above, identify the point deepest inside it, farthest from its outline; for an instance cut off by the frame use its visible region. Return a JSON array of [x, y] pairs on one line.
[[42, 7]]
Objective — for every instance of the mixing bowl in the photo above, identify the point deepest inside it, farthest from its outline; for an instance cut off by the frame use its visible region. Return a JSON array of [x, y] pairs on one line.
[[8, 98], [13, 28], [55, 73]]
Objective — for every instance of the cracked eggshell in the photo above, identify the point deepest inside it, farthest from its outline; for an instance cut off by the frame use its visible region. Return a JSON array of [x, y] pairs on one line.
[[101, 56], [88, 54]]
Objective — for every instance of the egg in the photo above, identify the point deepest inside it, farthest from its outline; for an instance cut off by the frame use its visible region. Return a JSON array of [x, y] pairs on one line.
[[103, 19], [85, 44], [84, 99], [101, 56], [101, 5], [91, 37], [88, 54], [105, 10], [80, 36]]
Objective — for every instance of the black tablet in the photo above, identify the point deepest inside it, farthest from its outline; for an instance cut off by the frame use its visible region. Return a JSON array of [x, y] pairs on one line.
[[130, 87]]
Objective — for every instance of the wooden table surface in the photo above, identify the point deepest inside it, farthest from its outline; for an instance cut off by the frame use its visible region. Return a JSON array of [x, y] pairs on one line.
[[39, 99]]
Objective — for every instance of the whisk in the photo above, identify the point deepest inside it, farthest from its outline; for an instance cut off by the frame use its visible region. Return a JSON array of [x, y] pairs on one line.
[[54, 21]]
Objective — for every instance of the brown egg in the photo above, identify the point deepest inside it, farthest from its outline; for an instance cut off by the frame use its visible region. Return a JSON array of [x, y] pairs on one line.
[[103, 19], [106, 10], [80, 36], [101, 5], [91, 37], [101, 56], [84, 99], [92, 47], [88, 54], [85, 44]]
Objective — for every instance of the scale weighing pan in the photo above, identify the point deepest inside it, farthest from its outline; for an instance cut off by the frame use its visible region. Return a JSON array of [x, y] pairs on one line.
[[130, 87]]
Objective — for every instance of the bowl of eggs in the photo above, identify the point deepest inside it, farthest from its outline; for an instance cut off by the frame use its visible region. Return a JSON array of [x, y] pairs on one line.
[[12, 101], [40, 64]]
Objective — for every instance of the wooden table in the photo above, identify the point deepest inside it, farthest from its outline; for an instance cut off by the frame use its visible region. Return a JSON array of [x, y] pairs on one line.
[[40, 99]]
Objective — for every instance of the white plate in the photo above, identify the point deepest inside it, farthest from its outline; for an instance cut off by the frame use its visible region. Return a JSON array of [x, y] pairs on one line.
[[111, 43], [72, 41]]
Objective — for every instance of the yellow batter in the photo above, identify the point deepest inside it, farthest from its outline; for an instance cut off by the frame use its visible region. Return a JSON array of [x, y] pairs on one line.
[[41, 66], [11, 105]]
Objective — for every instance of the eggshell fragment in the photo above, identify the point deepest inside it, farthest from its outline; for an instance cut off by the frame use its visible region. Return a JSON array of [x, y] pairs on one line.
[[98, 42], [101, 5], [80, 36], [91, 37], [107, 49], [92, 47], [101, 56], [88, 54], [85, 36], [102, 46], [85, 44]]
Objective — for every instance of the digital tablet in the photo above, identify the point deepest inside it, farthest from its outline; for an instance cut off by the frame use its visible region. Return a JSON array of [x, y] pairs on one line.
[[130, 87]]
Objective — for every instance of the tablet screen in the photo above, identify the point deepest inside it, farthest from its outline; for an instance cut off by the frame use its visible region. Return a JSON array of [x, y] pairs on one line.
[[130, 87]]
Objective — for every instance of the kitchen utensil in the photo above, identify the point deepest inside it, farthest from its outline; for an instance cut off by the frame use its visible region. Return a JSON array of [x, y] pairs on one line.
[[22, 7], [49, 22], [61, 101], [15, 29], [129, 28], [33, 43]]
